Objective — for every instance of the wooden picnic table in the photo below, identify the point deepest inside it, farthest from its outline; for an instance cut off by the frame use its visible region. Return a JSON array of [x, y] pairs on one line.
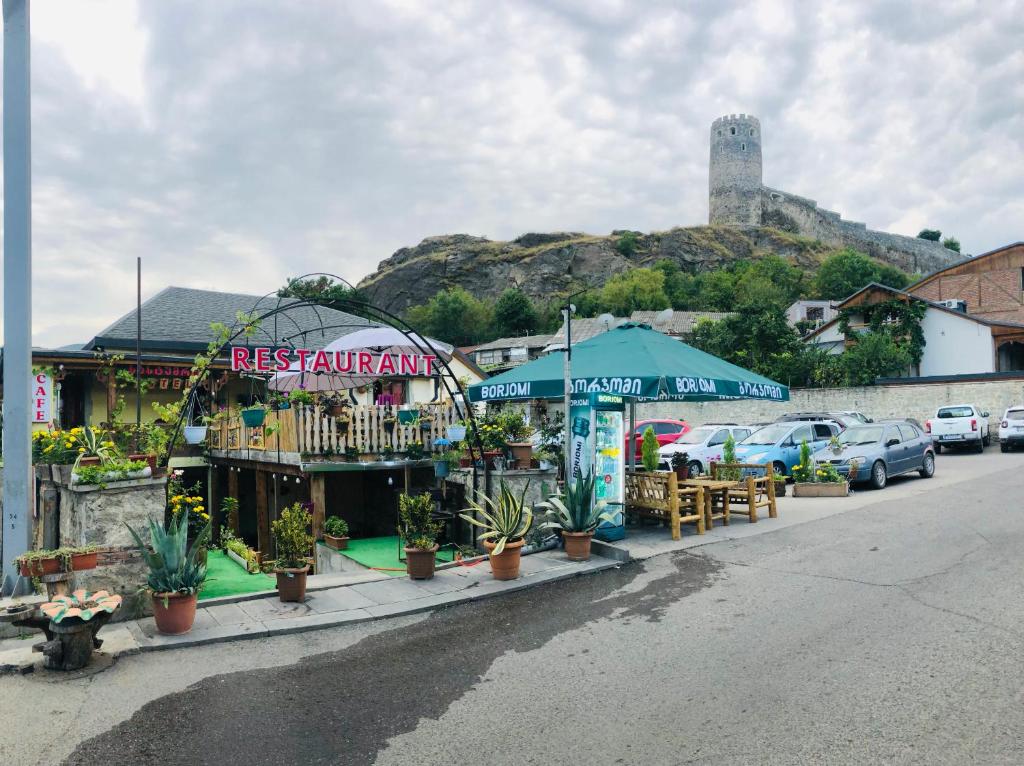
[[713, 488]]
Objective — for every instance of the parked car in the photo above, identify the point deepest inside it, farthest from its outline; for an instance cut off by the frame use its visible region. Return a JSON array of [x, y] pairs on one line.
[[666, 432], [779, 443], [844, 419], [1011, 428], [959, 425], [856, 415], [702, 445], [880, 451]]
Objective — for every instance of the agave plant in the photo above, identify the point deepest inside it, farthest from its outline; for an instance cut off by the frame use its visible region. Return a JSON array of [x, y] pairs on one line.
[[93, 445], [172, 563], [505, 520], [577, 512]]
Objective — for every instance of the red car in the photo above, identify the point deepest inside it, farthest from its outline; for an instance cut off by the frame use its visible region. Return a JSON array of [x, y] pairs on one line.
[[666, 431]]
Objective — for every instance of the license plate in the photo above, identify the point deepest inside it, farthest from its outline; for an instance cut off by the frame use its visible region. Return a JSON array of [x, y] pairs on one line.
[[950, 438]]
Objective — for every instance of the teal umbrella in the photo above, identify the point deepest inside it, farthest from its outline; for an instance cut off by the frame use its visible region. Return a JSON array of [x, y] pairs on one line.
[[633, 361]]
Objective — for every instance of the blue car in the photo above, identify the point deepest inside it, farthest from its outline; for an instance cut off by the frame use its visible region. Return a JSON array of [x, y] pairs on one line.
[[779, 443]]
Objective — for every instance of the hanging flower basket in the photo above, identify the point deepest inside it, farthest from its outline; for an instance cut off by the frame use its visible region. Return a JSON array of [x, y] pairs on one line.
[[456, 433], [405, 417], [254, 417], [194, 434]]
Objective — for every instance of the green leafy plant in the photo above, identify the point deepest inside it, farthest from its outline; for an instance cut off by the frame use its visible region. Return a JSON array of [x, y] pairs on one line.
[[229, 511], [729, 457], [804, 470], [300, 397], [113, 470], [576, 511], [335, 526], [416, 524], [826, 473], [33, 560], [504, 520], [172, 562], [649, 450], [243, 551], [352, 454], [415, 450], [294, 540]]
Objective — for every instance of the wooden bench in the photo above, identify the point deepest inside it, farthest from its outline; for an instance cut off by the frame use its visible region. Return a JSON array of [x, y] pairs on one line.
[[753, 492], [657, 495]]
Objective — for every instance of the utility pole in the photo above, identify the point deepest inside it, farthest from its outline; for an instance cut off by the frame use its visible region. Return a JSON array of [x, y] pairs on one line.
[[17, 147], [567, 314]]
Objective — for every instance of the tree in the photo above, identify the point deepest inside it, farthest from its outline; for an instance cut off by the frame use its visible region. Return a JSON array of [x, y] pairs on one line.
[[634, 290], [951, 243], [514, 314], [453, 316], [649, 450], [843, 274], [890, 276], [933, 234], [627, 243], [329, 293], [875, 355]]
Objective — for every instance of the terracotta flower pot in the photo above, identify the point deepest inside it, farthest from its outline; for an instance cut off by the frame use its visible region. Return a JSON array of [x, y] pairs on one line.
[[79, 563], [336, 410], [577, 545], [89, 461], [150, 459], [522, 453], [174, 612], [419, 562], [291, 584], [338, 543], [505, 566]]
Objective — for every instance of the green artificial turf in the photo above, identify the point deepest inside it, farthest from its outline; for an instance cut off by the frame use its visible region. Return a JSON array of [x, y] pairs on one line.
[[226, 578], [382, 553]]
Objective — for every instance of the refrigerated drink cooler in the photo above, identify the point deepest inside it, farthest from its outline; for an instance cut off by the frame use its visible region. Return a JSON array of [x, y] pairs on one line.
[[598, 435]]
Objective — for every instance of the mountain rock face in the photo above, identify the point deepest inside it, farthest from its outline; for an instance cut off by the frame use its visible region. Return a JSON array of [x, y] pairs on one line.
[[546, 266]]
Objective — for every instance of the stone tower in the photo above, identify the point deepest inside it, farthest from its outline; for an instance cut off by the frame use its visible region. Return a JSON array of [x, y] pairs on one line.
[[735, 171]]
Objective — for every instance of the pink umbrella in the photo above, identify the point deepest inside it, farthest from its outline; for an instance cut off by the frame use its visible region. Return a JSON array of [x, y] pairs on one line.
[[376, 340]]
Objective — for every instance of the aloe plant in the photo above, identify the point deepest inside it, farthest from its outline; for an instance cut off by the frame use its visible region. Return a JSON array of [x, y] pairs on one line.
[[577, 512], [172, 563], [504, 520]]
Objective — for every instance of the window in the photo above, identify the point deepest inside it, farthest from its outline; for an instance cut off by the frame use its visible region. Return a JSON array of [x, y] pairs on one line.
[[803, 433], [719, 437], [955, 412], [488, 357], [663, 429], [815, 313], [822, 431], [732, 131], [908, 432], [719, 132], [751, 131], [1022, 278], [892, 433], [739, 434], [743, 147]]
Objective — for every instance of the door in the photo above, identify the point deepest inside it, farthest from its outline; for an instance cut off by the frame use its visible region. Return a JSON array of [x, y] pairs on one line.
[[791, 447], [913, 446], [895, 451]]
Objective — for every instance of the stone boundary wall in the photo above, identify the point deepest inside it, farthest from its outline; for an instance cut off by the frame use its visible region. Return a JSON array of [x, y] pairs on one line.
[[916, 400], [911, 254]]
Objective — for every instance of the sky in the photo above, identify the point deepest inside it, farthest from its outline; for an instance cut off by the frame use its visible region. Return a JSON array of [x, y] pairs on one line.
[[232, 144]]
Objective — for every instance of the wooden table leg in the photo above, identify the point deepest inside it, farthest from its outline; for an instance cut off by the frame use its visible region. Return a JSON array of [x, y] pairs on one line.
[[708, 521]]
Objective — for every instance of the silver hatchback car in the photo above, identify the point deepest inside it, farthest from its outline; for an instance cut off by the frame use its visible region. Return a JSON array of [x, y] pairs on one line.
[[881, 450]]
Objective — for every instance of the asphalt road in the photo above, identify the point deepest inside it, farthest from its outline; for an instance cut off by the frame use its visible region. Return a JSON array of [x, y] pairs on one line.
[[888, 634]]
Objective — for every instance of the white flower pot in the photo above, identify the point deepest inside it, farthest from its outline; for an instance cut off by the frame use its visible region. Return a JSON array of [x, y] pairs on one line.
[[456, 433], [194, 434]]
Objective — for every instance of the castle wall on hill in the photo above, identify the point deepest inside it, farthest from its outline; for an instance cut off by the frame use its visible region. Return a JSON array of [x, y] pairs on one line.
[[790, 212], [737, 197]]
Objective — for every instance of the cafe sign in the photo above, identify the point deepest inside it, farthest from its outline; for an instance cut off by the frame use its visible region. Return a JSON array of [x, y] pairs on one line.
[[42, 392], [354, 362]]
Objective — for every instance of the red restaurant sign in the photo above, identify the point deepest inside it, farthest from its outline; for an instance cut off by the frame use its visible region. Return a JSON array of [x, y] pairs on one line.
[[355, 362]]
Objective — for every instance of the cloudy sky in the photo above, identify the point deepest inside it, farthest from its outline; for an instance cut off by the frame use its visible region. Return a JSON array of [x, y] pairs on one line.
[[231, 144]]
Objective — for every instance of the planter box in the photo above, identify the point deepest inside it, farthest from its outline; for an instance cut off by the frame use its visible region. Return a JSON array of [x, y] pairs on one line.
[[238, 560], [830, 489]]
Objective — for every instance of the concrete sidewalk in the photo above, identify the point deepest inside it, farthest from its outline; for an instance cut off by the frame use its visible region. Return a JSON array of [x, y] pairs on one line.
[[352, 600]]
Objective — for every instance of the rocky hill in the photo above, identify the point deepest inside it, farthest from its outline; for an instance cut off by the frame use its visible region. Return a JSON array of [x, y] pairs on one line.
[[548, 265]]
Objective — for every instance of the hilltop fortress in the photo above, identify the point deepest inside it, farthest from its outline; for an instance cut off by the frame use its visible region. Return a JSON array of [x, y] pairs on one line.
[[737, 197]]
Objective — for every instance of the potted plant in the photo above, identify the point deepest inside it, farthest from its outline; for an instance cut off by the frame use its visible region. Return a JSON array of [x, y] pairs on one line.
[[407, 417], [175, 574], [415, 450], [294, 541], [388, 422], [419, 533], [577, 516], [335, 405], [455, 433], [279, 401], [505, 523], [336, 533], [195, 434], [649, 451], [352, 454], [387, 453], [66, 559], [681, 465], [546, 459], [94, 449], [254, 415], [812, 479], [300, 397]]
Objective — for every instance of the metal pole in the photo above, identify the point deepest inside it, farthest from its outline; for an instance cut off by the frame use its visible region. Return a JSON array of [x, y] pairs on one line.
[[567, 313], [17, 147], [138, 351]]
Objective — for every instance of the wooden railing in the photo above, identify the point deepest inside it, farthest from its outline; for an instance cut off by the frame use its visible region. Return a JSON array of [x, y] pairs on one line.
[[311, 430]]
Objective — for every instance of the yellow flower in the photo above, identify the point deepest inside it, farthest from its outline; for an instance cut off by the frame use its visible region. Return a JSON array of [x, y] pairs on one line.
[[81, 450], [199, 509]]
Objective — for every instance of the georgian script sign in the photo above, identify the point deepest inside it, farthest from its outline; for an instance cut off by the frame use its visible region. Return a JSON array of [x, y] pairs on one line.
[[355, 362]]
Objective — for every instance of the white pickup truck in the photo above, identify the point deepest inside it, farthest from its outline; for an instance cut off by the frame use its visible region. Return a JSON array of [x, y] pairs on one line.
[[959, 425]]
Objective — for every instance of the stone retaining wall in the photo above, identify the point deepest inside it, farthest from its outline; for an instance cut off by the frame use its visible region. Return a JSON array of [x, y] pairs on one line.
[[917, 400]]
